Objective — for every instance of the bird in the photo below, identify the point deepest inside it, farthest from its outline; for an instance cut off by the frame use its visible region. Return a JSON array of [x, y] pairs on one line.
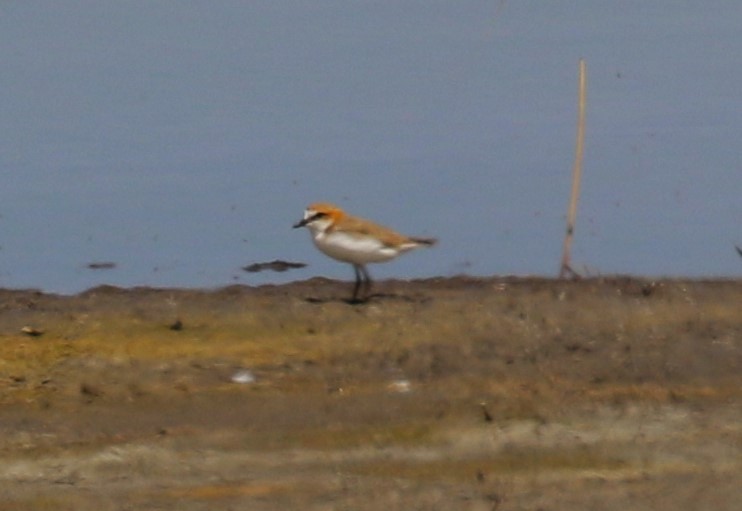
[[356, 241]]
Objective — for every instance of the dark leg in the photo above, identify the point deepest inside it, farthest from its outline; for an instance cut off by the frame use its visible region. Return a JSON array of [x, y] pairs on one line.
[[357, 286], [366, 283], [362, 284]]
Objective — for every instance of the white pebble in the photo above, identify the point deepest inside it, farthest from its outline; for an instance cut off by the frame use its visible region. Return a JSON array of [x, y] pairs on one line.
[[243, 376]]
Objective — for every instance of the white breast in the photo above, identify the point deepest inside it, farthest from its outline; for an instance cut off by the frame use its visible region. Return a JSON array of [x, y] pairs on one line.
[[351, 248]]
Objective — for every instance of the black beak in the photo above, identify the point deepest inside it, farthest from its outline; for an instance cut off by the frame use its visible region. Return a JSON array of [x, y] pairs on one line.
[[302, 223]]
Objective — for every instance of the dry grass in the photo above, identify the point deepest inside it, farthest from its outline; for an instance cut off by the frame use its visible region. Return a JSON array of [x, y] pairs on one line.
[[633, 330], [503, 391], [509, 462]]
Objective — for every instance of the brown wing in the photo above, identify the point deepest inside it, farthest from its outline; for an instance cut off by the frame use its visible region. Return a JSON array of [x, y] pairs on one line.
[[388, 237]]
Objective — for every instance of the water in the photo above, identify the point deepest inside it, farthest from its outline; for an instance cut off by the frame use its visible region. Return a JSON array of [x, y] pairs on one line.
[[181, 140]]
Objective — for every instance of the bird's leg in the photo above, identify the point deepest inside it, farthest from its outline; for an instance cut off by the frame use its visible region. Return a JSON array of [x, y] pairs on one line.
[[357, 286], [366, 282], [362, 284]]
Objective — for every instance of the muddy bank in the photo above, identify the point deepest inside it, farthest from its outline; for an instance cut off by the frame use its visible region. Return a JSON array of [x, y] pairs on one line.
[[455, 393]]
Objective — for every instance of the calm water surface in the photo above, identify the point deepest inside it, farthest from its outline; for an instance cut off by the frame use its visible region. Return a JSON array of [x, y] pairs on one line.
[[181, 140]]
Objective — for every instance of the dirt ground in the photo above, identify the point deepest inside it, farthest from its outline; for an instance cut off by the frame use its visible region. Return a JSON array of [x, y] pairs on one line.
[[458, 393]]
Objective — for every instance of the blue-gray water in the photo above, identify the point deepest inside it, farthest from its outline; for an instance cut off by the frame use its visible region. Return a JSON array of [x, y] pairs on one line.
[[182, 139]]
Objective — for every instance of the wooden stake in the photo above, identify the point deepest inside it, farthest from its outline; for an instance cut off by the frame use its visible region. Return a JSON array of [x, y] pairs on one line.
[[566, 268]]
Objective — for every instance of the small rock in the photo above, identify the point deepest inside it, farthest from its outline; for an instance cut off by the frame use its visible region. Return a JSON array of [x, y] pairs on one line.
[[31, 331], [89, 390], [401, 386], [485, 413], [243, 376]]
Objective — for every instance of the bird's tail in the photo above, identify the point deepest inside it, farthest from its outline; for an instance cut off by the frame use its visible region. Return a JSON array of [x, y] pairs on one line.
[[424, 241]]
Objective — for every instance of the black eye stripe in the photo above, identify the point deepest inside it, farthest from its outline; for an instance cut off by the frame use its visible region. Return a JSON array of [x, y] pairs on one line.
[[316, 216]]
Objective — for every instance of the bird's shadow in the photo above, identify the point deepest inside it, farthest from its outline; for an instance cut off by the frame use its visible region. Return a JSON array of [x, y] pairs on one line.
[[373, 298]]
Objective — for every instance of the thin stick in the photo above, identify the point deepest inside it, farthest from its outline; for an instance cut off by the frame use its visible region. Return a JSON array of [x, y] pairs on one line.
[[565, 268]]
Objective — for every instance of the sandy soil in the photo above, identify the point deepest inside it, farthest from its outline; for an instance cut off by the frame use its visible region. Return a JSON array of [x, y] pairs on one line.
[[473, 394]]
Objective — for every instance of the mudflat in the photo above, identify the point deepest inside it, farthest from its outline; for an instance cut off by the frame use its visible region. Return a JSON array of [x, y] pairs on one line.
[[449, 393]]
